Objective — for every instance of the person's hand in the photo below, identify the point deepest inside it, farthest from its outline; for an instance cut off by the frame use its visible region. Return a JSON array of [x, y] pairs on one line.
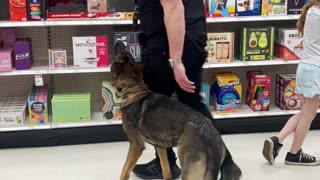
[[182, 79]]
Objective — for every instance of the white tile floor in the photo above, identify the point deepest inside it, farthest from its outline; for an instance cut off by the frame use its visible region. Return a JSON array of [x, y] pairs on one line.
[[104, 161]]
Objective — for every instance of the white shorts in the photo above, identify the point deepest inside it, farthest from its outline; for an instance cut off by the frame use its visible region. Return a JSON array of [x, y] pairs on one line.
[[308, 80]]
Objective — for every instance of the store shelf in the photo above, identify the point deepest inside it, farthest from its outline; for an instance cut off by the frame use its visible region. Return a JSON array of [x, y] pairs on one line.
[[21, 23], [33, 71], [87, 22], [97, 120], [246, 112], [238, 63], [24, 128], [252, 18], [71, 70], [45, 70], [90, 22], [42, 69]]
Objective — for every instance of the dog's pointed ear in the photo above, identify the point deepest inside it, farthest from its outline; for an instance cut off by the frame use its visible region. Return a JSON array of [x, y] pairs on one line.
[[116, 69], [119, 48], [137, 68]]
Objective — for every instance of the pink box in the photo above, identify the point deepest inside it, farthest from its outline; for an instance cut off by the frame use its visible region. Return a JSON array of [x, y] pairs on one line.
[[6, 60], [8, 37]]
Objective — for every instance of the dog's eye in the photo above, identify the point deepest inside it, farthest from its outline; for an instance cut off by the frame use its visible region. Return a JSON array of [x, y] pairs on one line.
[[119, 89]]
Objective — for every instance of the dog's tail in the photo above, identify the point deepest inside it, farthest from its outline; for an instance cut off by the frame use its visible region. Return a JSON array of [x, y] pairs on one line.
[[229, 170]]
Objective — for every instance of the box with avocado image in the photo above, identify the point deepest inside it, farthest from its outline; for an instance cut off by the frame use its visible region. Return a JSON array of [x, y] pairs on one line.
[[256, 44], [71, 107]]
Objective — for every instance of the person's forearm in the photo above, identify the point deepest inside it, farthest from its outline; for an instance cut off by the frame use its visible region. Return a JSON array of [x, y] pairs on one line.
[[175, 25]]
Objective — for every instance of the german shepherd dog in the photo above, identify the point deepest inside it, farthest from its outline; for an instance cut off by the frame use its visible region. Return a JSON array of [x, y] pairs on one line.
[[163, 122]]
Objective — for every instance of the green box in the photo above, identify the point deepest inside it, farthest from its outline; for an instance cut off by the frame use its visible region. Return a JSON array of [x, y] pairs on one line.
[[257, 44], [73, 107]]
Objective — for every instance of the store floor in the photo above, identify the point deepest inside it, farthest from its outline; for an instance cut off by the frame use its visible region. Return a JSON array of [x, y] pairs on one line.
[[104, 161]]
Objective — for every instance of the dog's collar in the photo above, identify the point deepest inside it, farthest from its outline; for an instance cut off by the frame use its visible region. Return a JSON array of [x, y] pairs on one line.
[[132, 94]]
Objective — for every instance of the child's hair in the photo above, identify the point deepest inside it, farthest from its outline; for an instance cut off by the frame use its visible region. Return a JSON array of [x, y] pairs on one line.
[[302, 19]]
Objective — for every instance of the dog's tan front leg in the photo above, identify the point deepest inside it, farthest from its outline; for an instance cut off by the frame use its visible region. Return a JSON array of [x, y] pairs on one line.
[[134, 154], [162, 153]]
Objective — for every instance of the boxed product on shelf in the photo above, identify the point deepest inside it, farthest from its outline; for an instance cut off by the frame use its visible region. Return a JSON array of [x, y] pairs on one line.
[[256, 44], [71, 107], [288, 44], [23, 54], [36, 10], [220, 8], [18, 10], [131, 42], [220, 47], [13, 111], [6, 59], [38, 105], [274, 7], [71, 9], [248, 7], [258, 91], [295, 6], [8, 37], [66, 9], [90, 51], [120, 6], [111, 103], [226, 92], [97, 5], [205, 93], [57, 58], [286, 97]]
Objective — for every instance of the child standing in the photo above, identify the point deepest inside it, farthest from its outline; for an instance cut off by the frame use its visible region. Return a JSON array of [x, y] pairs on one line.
[[308, 88]]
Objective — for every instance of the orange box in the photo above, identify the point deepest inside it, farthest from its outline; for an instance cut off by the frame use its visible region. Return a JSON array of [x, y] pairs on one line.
[[18, 10]]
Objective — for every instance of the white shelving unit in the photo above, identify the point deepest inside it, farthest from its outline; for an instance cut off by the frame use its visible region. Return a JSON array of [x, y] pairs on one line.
[[24, 128], [92, 22], [43, 69], [58, 34], [246, 111]]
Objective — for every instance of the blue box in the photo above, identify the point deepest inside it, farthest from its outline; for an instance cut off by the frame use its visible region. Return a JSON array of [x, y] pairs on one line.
[[205, 93], [248, 7]]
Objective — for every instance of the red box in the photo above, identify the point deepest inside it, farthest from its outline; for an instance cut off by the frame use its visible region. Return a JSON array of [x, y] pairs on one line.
[[18, 10], [258, 94]]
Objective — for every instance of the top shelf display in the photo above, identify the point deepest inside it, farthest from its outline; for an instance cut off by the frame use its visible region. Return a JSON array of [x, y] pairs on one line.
[[89, 22]]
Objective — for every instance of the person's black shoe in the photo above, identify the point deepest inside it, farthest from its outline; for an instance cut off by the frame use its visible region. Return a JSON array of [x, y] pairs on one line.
[[152, 170], [301, 159], [271, 149]]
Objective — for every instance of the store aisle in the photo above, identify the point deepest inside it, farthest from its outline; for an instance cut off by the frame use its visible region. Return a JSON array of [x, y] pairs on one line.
[[104, 161]]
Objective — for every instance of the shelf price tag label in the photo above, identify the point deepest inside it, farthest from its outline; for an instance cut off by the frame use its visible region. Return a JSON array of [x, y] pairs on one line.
[[38, 79]]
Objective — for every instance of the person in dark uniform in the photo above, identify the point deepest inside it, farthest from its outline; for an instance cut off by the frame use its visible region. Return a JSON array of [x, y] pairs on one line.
[[174, 39]]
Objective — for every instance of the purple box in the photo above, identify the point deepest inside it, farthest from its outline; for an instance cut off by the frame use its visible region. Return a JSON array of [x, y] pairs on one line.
[[6, 59], [295, 6], [8, 37], [23, 54]]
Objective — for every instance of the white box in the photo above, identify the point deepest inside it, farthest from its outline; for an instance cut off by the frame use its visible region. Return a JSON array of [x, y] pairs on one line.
[[12, 111], [90, 52], [57, 58], [12, 117], [288, 45]]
